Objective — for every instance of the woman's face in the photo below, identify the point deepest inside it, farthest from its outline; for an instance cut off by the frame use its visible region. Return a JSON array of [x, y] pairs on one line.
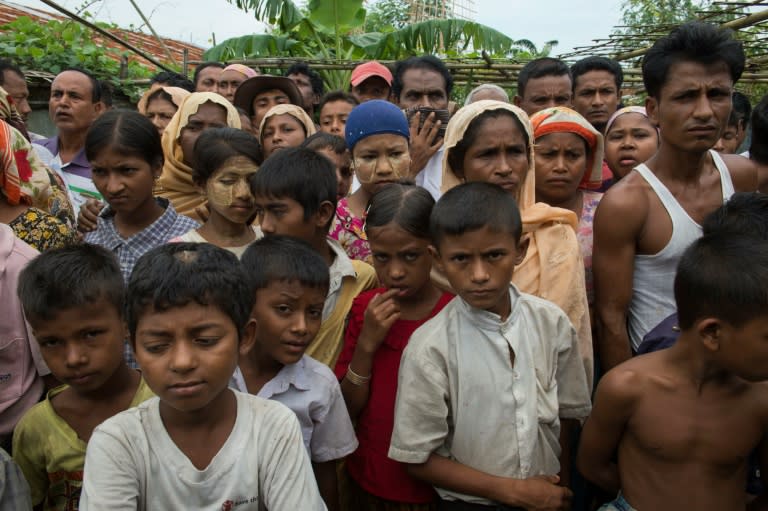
[[281, 131], [561, 160], [632, 140], [380, 159], [208, 115], [160, 111], [497, 155], [229, 195]]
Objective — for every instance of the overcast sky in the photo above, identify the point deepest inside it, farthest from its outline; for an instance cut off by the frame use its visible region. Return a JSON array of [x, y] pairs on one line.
[[197, 20]]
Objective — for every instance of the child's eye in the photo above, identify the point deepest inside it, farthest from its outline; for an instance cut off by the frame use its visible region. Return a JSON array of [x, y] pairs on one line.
[[207, 341], [410, 257], [50, 343], [459, 258], [494, 256], [316, 314], [283, 309], [381, 258], [155, 348], [92, 334]]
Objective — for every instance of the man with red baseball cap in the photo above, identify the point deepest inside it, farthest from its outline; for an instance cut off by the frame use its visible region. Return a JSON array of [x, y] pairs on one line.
[[371, 80]]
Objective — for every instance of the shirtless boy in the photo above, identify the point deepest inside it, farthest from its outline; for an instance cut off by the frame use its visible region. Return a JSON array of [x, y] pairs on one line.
[[646, 221], [682, 421]]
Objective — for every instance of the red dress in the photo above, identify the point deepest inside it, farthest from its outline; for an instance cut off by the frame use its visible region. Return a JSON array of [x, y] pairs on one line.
[[369, 465]]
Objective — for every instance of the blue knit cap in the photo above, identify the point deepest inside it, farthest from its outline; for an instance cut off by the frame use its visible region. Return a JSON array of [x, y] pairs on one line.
[[374, 118]]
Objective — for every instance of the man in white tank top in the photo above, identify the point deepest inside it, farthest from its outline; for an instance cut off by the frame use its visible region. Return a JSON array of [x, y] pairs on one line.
[[646, 221]]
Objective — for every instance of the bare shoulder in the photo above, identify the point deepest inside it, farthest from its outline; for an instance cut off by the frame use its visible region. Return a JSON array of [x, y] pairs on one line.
[[759, 395], [627, 198], [743, 172], [627, 382]]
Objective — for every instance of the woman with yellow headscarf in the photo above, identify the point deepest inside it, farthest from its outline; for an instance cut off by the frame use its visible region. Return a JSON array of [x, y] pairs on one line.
[[198, 111], [493, 141]]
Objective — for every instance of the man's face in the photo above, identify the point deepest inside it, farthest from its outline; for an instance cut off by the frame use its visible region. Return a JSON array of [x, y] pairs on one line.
[[423, 88], [693, 106], [71, 105], [264, 101], [545, 92], [374, 87], [305, 87], [596, 97], [16, 87], [208, 79]]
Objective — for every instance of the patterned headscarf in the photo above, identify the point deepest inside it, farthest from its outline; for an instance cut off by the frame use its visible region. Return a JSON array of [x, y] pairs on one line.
[[175, 183], [10, 114], [560, 119], [626, 110]]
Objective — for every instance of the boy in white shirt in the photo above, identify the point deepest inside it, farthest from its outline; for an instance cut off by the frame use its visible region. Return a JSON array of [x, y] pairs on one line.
[[198, 445], [483, 386]]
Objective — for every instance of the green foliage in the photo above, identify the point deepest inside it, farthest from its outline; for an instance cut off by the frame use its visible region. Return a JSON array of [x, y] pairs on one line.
[[387, 15], [56, 45]]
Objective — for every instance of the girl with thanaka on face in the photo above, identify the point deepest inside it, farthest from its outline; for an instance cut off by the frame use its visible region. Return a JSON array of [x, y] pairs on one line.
[[226, 158], [377, 135], [492, 141], [380, 325], [159, 105], [569, 161], [284, 126], [630, 139]]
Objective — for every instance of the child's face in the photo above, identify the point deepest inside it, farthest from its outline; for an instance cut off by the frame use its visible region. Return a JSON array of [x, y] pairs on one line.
[[287, 316], [343, 164], [498, 155], [402, 261], [479, 265], [83, 346], [742, 350], [632, 140], [125, 181], [381, 159], [281, 131], [561, 161], [229, 195], [187, 355], [285, 216], [333, 117]]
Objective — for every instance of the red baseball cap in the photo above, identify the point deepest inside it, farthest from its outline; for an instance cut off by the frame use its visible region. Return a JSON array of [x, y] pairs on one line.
[[369, 69]]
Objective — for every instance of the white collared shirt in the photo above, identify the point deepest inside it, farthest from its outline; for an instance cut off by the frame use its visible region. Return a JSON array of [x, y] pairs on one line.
[[340, 267]]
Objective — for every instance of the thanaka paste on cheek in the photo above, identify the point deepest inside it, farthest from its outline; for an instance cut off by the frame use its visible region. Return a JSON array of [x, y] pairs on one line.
[[223, 194]]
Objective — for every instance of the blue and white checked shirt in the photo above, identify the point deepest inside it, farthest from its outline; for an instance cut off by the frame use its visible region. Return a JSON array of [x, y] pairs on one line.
[[129, 250]]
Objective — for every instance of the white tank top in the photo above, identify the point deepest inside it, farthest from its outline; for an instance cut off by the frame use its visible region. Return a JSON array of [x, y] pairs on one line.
[[653, 297]]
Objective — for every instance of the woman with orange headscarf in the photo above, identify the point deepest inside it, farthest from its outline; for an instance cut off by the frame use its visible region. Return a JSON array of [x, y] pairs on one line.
[[492, 141]]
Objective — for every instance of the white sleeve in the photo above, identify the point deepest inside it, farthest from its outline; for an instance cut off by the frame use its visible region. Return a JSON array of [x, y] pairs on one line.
[[286, 480], [111, 475]]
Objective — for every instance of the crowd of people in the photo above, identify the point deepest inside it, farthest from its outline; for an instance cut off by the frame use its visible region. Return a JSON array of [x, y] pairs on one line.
[[249, 293]]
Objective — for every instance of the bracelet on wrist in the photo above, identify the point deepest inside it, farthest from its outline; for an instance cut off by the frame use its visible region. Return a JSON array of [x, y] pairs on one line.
[[356, 379]]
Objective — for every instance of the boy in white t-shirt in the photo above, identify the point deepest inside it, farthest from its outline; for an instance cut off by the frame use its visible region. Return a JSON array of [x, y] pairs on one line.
[[198, 445]]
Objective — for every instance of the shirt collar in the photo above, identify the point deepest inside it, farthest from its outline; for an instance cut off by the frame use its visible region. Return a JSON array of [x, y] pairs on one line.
[[342, 264], [486, 320], [52, 144], [292, 374], [153, 233]]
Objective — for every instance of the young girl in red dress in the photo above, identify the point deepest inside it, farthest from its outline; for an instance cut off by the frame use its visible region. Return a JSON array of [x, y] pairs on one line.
[[381, 322]]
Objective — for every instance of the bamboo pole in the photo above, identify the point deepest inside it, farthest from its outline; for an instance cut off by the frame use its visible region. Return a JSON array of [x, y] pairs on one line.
[[152, 29]]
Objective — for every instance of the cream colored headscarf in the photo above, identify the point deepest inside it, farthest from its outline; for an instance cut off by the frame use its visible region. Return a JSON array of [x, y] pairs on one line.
[[296, 111], [175, 183], [177, 95], [553, 268]]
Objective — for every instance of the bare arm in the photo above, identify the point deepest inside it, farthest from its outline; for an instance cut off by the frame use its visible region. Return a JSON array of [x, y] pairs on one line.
[[616, 227], [744, 173], [614, 401], [325, 475], [539, 493]]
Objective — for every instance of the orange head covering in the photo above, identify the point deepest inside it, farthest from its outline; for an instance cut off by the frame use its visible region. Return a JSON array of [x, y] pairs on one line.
[[560, 119], [553, 268], [175, 183]]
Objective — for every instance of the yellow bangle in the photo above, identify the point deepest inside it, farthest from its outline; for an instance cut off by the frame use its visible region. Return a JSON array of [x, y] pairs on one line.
[[356, 379]]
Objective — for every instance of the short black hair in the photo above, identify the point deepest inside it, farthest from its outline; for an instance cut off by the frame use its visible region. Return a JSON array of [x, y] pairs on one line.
[[758, 147], [173, 79], [284, 258], [95, 84], [300, 174], [215, 146], [177, 274], [196, 76], [456, 153], [472, 206], [323, 140], [127, 131], [741, 110], [8, 65], [693, 41], [539, 68], [69, 277], [429, 62], [337, 95], [725, 276], [744, 213], [596, 63], [107, 93], [405, 204], [302, 68]]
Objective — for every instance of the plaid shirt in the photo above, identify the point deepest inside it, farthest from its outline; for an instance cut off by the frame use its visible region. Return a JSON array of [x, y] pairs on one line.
[[128, 251]]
